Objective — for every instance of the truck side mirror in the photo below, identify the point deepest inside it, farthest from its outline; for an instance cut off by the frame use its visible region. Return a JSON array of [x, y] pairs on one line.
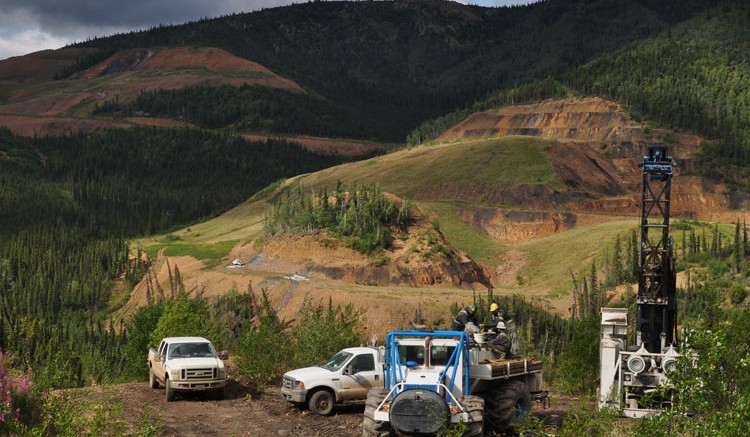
[[347, 370], [224, 355]]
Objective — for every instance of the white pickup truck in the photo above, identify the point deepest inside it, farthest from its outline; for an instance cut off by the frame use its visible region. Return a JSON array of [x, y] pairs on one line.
[[187, 364], [345, 378]]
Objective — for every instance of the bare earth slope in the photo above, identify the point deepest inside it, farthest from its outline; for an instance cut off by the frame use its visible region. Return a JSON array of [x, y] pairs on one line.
[[37, 105]]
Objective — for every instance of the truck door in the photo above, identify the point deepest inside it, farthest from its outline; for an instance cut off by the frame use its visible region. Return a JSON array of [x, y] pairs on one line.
[[360, 376], [157, 363]]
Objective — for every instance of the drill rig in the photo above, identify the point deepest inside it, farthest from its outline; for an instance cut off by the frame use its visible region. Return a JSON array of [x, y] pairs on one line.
[[631, 375]]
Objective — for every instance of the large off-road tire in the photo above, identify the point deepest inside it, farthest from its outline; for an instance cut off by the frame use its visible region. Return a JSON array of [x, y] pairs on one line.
[[168, 386], [370, 426], [321, 402], [152, 381], [506, 405], [475, 407]]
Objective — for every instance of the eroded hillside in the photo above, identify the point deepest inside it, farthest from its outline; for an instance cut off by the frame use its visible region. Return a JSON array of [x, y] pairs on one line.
[[527, 210], [53, 107]]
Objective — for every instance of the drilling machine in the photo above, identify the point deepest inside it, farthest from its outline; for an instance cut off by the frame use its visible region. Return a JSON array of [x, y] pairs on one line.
[[631, 375]]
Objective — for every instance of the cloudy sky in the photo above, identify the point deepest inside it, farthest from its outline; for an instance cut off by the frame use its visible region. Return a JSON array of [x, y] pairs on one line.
[[27, 26]]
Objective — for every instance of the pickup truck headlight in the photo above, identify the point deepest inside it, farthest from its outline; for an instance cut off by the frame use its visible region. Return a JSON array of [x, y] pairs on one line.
[[222, 372], [174, 374], [298, 385]]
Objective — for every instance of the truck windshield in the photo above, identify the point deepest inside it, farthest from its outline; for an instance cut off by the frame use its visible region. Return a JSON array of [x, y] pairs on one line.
[[337, 361], [189, 350]]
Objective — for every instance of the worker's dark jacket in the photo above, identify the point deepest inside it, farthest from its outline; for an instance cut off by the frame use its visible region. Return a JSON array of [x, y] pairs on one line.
[[462, 318]]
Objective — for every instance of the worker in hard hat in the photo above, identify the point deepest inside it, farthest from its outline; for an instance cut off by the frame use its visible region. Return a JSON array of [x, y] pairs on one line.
[[466, 320], [501, 342], [497, 314]]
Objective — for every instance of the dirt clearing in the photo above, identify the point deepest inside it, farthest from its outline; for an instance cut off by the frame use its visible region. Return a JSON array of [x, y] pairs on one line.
[[242, 413]]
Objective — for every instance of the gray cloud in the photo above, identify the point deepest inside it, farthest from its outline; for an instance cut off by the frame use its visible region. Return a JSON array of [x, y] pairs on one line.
[[30, 25]]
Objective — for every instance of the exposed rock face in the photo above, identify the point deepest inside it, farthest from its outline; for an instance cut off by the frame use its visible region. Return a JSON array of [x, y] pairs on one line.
[[450, 273], [592, 119], [514, 226]]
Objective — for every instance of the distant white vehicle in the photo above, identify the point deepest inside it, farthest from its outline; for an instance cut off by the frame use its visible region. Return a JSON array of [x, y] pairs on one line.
[[238, 262]]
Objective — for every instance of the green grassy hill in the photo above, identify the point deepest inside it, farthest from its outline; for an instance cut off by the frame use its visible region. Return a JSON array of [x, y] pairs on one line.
[[446, 182]]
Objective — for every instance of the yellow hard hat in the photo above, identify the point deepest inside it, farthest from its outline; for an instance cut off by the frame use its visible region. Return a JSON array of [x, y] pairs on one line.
[[494, 307]]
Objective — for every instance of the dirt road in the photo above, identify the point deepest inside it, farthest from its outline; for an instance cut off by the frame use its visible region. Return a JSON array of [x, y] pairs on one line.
[[242, 413]]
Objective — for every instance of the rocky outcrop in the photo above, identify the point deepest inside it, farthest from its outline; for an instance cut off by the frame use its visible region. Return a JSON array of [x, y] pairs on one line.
[[450, 273], [592, 119], [514, 226]]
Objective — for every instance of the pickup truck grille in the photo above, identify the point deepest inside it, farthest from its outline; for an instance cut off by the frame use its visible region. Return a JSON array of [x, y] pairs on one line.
[[200, 374], [288, 382]]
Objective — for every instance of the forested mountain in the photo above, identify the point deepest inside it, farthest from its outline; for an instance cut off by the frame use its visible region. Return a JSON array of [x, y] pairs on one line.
[[396, 63]]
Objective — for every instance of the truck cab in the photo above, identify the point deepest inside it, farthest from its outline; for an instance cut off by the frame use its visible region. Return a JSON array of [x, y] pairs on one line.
[[346, 378], [185, 364]]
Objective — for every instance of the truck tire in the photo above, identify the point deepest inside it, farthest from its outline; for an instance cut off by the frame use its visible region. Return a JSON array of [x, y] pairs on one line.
[[168, 386], [370, 426], [152, 381], [321, 402], [506, 405], [475, 407]]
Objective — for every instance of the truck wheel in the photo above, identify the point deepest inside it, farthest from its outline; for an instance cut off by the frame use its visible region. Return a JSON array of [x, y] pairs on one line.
[[370, 426], [170, 392], [507, 405], [475, 407], [152, 381], [321, 402]]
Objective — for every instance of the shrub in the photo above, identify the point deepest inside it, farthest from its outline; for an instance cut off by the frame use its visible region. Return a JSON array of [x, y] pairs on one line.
[[323, 331], [183, 315], [139, 330], [579, 369], [21, 402], [229, 315], [737, 293], [271, 346], [263, 351]]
